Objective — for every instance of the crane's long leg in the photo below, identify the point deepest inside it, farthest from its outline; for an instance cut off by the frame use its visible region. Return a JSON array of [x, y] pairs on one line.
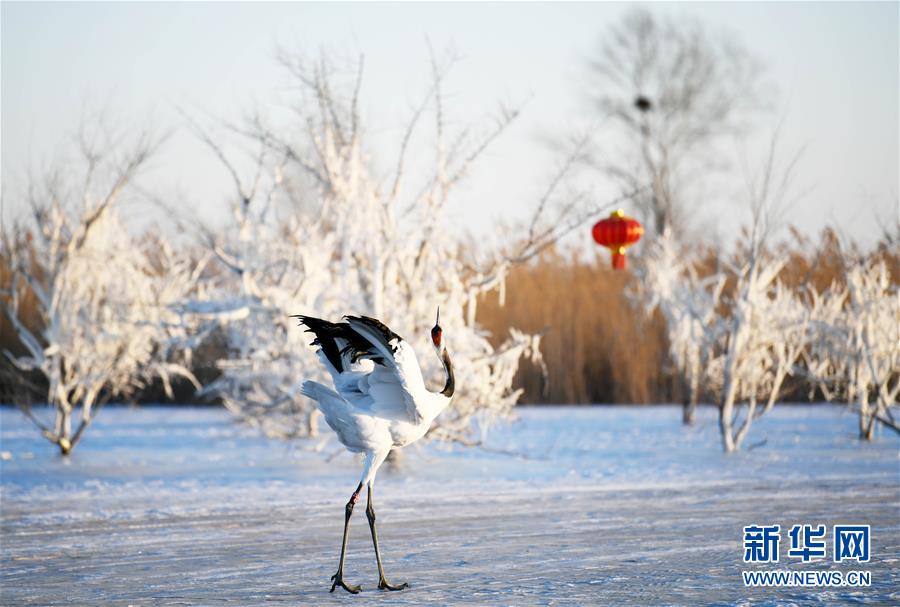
[[383, 584], [338, 578]]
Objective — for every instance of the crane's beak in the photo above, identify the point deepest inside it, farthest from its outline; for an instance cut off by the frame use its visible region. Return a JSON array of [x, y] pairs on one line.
[[437, 320]]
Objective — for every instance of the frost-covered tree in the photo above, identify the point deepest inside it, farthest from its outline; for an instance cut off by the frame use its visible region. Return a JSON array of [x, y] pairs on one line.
[[764, 332], [316, 231], [105, 322], [763, 337], [742, 341], [739, 345], [670, 282], [873, 317], [855, 343]]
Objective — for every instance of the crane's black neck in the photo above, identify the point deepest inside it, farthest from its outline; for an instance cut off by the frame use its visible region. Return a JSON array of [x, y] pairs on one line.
[[450, 386]]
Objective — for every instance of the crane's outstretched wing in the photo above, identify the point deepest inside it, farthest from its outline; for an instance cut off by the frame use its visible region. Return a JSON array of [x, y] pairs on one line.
[[372, 367], [395, 383]]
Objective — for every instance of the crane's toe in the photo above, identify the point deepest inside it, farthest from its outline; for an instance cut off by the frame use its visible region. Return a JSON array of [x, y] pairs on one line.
[[338, 580], [383, 584]]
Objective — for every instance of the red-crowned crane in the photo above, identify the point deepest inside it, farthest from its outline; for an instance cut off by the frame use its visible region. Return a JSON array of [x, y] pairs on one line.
[[379, 402]]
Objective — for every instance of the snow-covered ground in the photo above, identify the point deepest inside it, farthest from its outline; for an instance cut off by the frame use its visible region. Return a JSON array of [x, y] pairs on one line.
[[611, 505]]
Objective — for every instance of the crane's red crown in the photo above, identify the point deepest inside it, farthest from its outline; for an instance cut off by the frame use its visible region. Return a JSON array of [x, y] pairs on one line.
[[436, 334]]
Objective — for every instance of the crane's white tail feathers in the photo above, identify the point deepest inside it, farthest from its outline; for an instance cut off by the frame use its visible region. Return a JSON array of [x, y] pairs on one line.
[[329, 401], [339, 414], [312, 389]]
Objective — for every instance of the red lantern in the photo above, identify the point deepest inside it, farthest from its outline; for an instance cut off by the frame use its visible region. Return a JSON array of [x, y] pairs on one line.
[[617, 232]]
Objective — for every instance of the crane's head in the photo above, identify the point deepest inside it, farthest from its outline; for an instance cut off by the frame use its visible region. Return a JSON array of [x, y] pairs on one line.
[[437, 338], [437, 334]]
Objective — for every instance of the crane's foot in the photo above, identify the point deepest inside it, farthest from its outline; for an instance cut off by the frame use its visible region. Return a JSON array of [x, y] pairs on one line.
[[338, 580], [383, 584]]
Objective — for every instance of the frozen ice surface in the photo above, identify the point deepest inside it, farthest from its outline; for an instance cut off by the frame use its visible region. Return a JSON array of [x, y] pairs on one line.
[[612, 506]]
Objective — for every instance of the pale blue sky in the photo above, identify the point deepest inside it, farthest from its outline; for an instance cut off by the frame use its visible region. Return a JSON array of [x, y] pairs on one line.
[[835, 65]]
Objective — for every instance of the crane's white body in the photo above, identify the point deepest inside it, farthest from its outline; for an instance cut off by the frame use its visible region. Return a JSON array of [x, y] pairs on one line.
[[378, 402]]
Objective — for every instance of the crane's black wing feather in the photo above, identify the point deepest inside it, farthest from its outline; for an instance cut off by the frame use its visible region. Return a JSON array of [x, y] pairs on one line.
[[381, 331], [326, 334], [336, 339]]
